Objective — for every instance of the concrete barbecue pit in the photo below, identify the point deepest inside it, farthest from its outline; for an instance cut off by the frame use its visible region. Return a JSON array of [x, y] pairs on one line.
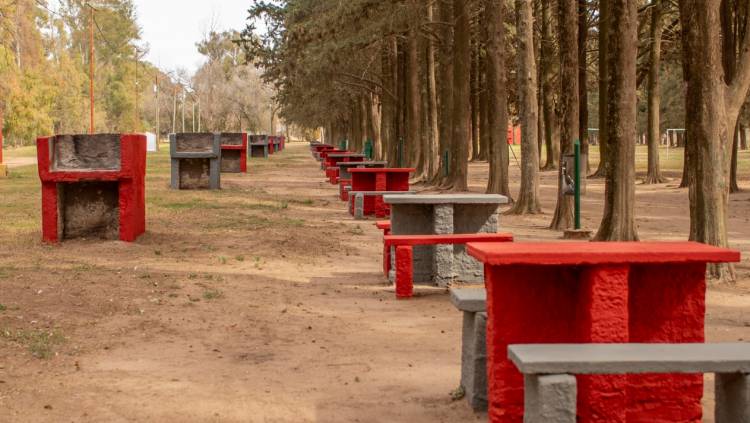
[[196, 160], [93, 186], [234, 152]]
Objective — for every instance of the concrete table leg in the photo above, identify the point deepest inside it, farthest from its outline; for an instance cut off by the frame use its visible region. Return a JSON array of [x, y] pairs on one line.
[[474, 359], [549, 399], [442, 266], [359, 206], [732, 398]]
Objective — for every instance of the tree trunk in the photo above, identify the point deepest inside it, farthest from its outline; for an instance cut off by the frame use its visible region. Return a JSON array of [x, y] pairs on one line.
[[388, 112], [461, 97], [498, 99], [712, 108], [433, 150], [551, 121], [414, 104], [618, 221], [475, 91], [743, 136], [528, 197], [568, 11], [654, 96], [733, 185], [583, 92], [445, 92], [375, 107], [604, 32]]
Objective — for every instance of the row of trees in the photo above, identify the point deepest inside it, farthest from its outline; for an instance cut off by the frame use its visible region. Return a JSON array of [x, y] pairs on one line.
[[45, 66], [433, 84]]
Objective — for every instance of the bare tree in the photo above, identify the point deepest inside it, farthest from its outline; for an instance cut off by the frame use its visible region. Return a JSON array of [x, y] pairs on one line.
[[654, 96]]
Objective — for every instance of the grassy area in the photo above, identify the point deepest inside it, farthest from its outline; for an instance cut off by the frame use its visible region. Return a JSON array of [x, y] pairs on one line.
[[670, 159]]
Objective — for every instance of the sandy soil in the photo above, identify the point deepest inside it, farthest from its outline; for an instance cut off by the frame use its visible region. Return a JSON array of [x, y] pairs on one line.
[[262, 303]]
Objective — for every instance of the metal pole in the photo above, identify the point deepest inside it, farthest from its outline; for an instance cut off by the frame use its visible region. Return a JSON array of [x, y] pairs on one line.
[[183, 109], [156, 91], [577, 179], [174, 112], [91, 71]]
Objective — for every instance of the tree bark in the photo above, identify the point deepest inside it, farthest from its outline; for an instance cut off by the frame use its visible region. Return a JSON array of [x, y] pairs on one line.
[[551, 121], [433, 150], [414, 104], [475, 121], [568, 30], [604, 32], [388, 116], [583, 92], [446, 93], [528, 197], [461, 97], [712, 108], [618, 221], [653, 175], [498, 99]]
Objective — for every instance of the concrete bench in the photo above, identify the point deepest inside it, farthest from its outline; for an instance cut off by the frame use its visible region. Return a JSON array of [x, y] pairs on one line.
[[550, 391], [473, 303], [358, 203], [404, 245]]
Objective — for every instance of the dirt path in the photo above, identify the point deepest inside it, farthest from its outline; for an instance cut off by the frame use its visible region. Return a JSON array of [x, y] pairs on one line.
[[16, 162], [264, 302]]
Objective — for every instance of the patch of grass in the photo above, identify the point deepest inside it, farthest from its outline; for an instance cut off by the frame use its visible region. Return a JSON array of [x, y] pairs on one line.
[[222, 260], [212, 294], [41, 343], [297, 223], [192, 276], [3, 308], [83, 267], [157, 252], [305, 202], [5, 271], [240, 258], [357, 230]]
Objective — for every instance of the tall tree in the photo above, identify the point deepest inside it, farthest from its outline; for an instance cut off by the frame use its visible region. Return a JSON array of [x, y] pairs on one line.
[[528, 198], [549, 107], [653, 175], [604, 32], [618, 221], [461, 97], [712, 108], [498, 98], [568, 30], [445, 91]]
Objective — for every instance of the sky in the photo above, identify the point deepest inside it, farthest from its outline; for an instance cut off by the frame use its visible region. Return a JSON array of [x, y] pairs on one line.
[[172, 27]]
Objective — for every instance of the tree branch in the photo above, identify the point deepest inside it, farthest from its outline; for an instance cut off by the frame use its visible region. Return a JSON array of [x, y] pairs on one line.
[[737, 90]]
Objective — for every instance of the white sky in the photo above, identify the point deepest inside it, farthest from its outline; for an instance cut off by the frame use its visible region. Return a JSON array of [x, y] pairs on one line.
[[172, 27]]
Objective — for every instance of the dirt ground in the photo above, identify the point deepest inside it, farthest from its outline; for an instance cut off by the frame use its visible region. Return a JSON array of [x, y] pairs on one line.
[[264, 302]]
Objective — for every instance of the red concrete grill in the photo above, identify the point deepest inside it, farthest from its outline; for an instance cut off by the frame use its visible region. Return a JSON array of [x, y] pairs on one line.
[[592, 292], [92, 186]]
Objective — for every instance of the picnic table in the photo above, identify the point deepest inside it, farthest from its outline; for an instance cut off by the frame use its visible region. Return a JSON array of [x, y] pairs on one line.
[[597, 292], [444, 214]]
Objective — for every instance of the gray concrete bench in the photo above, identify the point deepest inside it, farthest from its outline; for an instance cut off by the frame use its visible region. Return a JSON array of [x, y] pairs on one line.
[[473, 303], [550, 384]]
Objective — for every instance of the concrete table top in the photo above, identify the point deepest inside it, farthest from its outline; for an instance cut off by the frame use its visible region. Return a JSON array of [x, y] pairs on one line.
[[448, 199], [631, 358]]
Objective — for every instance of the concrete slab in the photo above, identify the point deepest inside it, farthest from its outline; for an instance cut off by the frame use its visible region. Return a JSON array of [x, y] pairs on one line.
[[469, 299], [450, 199], [631, 358]]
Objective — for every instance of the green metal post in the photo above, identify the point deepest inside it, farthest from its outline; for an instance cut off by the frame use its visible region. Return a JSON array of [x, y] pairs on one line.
[[577, 179]]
